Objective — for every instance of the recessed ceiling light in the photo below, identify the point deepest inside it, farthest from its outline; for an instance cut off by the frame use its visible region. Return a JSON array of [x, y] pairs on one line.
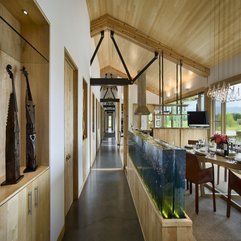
[[25, 12]]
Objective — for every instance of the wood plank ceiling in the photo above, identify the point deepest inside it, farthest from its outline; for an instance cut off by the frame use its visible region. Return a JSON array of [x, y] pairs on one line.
[[207, 32]]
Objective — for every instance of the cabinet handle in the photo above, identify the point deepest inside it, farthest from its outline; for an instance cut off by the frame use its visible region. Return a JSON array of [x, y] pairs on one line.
[[36, 196], [30, 202]]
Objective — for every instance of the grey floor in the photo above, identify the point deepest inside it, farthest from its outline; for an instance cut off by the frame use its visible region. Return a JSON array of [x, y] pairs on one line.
[[105, 210], [108, 155]]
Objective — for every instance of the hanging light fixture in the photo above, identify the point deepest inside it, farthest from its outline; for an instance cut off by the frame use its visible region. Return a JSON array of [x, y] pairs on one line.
[[217, 92]]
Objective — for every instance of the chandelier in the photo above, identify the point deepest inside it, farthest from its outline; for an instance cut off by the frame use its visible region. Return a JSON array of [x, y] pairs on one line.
[[233, 94], [219, 93]]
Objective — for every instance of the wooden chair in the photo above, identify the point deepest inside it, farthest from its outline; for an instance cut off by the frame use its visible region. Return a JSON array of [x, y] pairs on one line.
[[196, 175], [191, 142], [234, 183]]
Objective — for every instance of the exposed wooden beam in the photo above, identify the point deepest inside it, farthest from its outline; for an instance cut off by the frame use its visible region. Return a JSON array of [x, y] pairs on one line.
[[107, 22], [110, 81]]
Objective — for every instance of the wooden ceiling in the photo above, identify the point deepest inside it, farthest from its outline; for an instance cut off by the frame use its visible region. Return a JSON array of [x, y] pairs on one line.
[[205, 32]]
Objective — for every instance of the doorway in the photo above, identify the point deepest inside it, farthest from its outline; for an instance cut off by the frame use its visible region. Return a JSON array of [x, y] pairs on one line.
[[70, 132]]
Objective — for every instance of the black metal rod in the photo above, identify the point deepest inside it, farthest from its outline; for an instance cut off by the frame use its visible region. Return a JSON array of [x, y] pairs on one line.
[[119, 53], [160, 82], [112, 93], [162, 72], [180, 96], [97, 47], [106, 93], [177, 87], [146, 67]]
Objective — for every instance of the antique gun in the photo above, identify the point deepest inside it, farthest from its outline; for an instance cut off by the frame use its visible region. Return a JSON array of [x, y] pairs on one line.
[[12, 137], [31, 163]]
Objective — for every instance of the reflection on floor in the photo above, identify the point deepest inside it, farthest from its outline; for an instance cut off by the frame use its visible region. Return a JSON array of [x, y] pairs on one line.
[[108, 155], [211, 226], [105, 210]]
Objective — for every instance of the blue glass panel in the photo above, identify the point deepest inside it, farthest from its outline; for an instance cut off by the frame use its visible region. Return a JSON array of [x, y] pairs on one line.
[[162, 168]]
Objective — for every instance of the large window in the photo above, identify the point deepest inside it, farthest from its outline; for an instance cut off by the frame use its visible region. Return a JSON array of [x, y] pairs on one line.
[[192, 103], [233, 114]]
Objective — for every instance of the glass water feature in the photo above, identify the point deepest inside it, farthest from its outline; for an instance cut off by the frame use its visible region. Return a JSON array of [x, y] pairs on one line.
[[162, 168]]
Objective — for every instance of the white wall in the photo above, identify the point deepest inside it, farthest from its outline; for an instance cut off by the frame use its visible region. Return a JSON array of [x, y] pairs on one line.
[[70, 29]]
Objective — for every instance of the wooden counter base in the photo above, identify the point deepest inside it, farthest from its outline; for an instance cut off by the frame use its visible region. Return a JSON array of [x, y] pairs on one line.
[[7, 192], [154, 226]]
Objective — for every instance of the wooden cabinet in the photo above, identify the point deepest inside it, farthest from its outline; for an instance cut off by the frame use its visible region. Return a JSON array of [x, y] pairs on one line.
[[26, 215]]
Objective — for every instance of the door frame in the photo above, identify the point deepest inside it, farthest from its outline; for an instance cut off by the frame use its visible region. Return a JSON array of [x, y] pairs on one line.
[[70, 61]]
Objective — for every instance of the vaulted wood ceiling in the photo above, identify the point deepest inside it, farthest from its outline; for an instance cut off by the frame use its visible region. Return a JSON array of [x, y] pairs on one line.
[[205, 32]]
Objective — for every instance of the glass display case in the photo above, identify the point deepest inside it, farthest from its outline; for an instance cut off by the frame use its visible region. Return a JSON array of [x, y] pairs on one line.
[[162, 168]]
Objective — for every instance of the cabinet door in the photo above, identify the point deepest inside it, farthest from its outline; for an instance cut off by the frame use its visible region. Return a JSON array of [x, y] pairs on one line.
[[41, 208], [13, 219]]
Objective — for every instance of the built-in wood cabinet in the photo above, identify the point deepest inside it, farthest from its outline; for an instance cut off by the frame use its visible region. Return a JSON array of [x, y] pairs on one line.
[[25, 213]]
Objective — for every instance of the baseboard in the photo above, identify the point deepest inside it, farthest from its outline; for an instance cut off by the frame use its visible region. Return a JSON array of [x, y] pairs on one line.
[[81, 189], [61, 235]]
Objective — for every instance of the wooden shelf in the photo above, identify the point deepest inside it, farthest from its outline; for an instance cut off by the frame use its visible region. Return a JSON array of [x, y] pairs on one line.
[[25, 42], [7, 192]]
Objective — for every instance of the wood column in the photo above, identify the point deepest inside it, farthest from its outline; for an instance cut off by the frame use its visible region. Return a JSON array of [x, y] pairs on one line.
[[118, 123], [125, 122]]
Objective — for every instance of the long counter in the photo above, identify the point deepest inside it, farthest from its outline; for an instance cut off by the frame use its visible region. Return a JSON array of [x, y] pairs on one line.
[[155, 174]]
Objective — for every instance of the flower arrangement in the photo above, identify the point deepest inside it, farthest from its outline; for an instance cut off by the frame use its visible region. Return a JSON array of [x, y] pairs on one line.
[[219, 138]]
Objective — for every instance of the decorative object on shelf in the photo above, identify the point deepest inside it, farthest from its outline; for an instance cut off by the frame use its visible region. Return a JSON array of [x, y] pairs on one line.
[[31, 162], [12, 137]]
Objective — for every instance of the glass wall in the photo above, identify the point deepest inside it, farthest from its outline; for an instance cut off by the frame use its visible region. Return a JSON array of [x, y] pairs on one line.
[[233, 112]]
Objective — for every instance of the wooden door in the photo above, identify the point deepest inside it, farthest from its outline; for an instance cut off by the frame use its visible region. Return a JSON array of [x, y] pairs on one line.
[[68, 133]]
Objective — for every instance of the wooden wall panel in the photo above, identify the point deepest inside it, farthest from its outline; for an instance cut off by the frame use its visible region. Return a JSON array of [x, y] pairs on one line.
[[179, 137]]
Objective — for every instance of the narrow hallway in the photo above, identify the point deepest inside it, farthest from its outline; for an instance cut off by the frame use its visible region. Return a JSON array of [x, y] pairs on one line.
[[105, 209]]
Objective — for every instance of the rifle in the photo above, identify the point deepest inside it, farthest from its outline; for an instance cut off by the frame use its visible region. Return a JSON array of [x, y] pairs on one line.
[[31, 163], [12, 137]]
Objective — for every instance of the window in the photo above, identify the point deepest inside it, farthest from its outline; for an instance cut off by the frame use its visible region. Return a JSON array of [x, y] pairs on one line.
[[233, 115]]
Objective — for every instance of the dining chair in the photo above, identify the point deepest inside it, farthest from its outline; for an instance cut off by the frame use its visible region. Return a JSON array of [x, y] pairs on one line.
[[234, 183], [195, 174]]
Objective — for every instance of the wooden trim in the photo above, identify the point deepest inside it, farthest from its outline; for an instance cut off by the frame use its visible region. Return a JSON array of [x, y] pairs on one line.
[[107, 22], [125, 123], [61, 235], [231, 80], [188, 94]]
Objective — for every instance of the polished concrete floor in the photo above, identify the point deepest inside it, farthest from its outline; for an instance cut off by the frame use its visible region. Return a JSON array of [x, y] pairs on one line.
[[108, 155], [105, 210]]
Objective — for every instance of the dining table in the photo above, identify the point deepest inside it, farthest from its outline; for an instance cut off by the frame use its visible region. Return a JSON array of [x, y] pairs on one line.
[[217, 158]]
